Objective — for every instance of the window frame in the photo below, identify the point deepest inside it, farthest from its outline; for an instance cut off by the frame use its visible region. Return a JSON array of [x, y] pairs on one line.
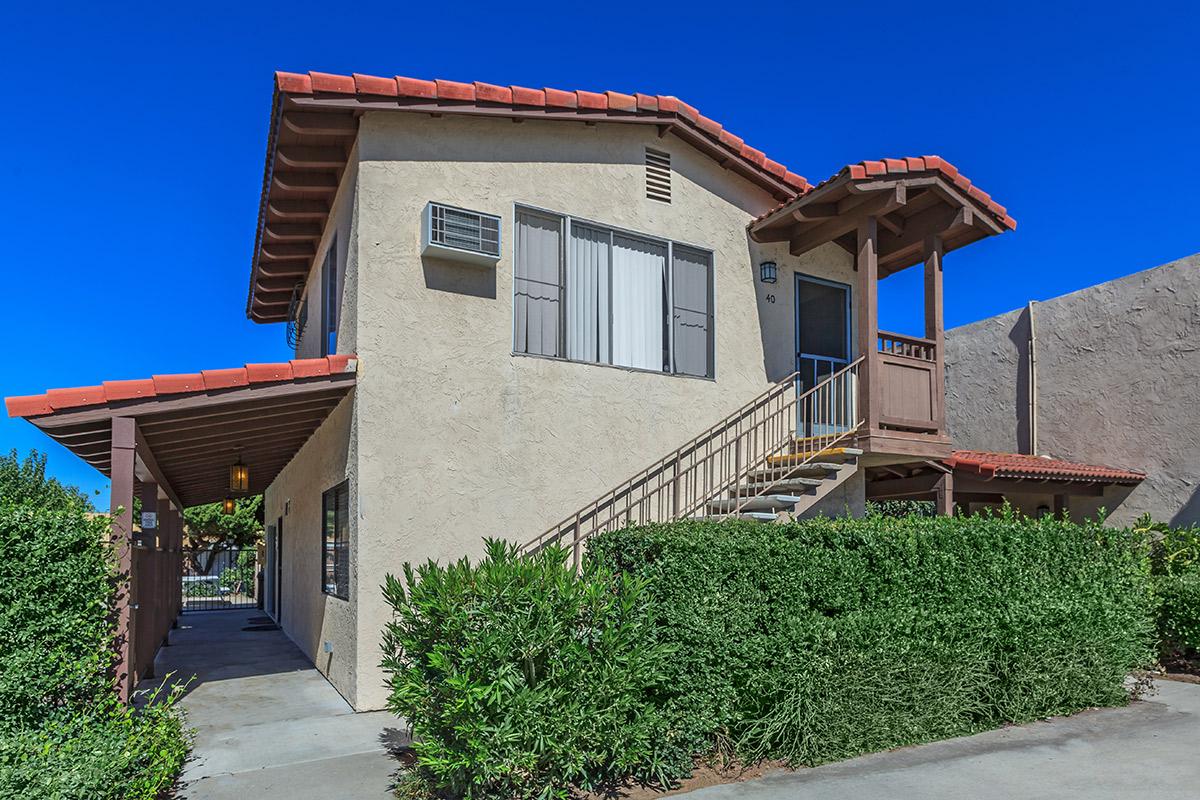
[[328, 553], [330, 299], [566, 220]]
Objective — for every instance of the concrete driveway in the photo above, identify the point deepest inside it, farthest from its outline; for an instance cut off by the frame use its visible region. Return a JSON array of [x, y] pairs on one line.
[[1150, 749], [268, 725]]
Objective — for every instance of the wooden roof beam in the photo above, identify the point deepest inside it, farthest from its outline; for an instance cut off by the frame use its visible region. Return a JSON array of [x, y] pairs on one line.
[[292, 231], [312, 123], [883, 202], [305, 182], [301, 157], [292, 209]]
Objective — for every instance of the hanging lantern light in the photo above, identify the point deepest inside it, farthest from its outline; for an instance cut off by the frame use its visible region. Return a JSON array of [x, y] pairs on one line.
[[767, 271], [239, 477], [227, 506]]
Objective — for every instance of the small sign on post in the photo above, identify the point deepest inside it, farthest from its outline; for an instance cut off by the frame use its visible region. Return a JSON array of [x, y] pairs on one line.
[[149, 520]]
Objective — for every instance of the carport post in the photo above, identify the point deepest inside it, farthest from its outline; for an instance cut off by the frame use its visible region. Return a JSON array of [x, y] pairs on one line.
[[163, 558], [146, 597], [123, 455], [944, 495]]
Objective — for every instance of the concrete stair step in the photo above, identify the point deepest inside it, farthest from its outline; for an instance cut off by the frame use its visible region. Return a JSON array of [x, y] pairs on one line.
[[829, 454], [767, 502], [790, 486]]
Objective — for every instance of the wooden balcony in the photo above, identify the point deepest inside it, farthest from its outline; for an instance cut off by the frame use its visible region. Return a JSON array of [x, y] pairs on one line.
[[908, 414]]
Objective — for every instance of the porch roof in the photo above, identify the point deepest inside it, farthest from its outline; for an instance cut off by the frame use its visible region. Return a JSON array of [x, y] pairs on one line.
[[191, 427], [1026, 467], [913, 198]]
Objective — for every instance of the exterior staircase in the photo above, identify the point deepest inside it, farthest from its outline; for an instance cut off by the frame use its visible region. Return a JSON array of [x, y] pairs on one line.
[[790, 487], [753, 464]]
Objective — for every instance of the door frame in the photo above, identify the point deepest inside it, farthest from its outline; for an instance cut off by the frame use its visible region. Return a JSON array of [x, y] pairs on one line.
[[278, 587], [796, 320]]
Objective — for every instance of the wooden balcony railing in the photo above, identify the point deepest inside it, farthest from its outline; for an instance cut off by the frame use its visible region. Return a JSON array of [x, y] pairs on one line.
[[911, 393], [717, 463]]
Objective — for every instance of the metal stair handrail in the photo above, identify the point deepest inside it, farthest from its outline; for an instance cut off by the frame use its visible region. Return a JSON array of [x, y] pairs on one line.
[[680, 484]]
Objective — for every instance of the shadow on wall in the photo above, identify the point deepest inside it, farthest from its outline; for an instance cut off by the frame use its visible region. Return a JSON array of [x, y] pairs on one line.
[[1189, 514], [1019, 336], [445, 275]]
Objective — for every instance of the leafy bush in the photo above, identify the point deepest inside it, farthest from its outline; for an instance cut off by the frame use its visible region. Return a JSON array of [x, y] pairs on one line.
[[520, 678], [56, 583], [1175, 563], [825, 639], [240, 576], [115, 753], [63, 732], [1179, 614]]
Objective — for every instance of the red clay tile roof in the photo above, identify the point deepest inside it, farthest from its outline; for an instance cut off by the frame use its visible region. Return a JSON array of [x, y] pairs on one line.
[[870, 170], [519, 98], [1017, 465], [159, 385]]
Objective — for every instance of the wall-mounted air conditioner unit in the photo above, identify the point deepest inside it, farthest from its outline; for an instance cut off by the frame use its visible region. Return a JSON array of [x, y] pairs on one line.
[[460, 235]]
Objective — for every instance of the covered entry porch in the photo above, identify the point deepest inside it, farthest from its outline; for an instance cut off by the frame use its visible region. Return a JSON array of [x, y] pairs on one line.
[[891, 215], [170, 441]]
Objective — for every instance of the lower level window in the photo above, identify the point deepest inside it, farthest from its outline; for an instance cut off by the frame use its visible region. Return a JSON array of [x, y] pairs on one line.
[[335, 541], [590, 293]]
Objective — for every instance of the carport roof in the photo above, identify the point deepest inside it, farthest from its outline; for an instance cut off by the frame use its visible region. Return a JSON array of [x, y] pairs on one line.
[[191, 427]]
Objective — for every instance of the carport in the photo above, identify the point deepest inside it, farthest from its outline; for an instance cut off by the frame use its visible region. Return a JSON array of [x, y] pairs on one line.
[[171, 440]]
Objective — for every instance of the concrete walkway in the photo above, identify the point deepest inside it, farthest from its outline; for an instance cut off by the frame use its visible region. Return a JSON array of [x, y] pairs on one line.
[[1149, 749], [267, 724]]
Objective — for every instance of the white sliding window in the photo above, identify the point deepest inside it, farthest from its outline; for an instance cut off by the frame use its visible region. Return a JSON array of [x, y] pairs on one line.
[[622, 298], [537, 284], [639, 295]]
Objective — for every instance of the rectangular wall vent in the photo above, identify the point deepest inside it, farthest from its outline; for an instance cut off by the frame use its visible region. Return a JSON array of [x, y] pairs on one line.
[[461, 235], [658, 175]]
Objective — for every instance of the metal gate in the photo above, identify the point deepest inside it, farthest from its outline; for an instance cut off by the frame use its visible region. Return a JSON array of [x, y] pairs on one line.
[[221, 579]]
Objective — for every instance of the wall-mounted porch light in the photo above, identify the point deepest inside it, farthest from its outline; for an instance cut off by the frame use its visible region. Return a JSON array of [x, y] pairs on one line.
[[227, 505], [768, 271], [239, 477]]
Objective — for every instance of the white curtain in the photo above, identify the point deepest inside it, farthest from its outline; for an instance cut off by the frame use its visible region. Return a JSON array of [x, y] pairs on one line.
[[638, 295], [587, 294]]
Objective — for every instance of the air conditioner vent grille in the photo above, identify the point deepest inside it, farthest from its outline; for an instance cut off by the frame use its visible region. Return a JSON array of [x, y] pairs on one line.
[[464, 230], [658, 175]]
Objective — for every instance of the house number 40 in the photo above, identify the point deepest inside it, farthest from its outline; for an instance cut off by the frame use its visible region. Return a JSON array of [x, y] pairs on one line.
[[770, 298]]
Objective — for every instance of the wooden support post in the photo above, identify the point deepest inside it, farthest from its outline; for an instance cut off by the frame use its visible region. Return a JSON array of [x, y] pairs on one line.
[[944, 495], [867, 264], [935, 324], [164, 613], [123, 456], [145, 596], [1060, 506]]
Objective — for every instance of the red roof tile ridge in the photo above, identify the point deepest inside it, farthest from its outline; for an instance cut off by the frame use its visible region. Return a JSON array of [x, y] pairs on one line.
[[580, 100], [1017, 464], [184, 383], [864, 170]]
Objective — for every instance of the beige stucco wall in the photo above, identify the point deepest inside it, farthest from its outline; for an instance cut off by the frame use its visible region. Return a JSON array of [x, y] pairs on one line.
[[458, 437], [309, 616]]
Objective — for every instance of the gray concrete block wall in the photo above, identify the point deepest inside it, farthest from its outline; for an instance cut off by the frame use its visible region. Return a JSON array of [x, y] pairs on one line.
[[1117, 379]]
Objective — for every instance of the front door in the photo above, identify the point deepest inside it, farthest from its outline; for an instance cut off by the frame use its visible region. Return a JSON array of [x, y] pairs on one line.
[[822, 336]]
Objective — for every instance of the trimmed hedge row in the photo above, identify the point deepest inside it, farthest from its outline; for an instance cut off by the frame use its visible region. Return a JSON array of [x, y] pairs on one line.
[[807, 642], [830, 638]]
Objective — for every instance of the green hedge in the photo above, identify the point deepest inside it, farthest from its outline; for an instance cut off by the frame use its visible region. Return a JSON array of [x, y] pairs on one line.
[[829, 638], [63, 733], [1175, 563], [521, 679]]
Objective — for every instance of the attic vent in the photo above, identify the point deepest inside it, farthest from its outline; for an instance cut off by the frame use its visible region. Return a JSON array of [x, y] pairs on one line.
[[462, 235], [658, 175]]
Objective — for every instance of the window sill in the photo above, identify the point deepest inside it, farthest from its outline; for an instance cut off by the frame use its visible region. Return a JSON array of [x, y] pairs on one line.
[[556, 359]]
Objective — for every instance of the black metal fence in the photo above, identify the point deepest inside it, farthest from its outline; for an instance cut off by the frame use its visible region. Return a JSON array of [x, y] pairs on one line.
[[221, 579]]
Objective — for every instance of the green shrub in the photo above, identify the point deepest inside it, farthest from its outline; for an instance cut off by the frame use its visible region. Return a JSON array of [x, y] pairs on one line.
[[825, 639], [56, 583], [63, 732], [520, 678], [116, 753], [1179, 612]]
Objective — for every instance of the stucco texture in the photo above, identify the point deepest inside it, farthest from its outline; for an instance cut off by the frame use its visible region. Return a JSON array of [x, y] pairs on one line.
[[459, 438], [1116, 384]]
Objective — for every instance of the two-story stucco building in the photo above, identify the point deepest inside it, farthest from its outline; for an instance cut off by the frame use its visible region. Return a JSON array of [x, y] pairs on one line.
[[505, 303]]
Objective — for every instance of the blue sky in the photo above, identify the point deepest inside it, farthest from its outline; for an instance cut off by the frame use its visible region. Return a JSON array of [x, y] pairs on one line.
[[134, 139]]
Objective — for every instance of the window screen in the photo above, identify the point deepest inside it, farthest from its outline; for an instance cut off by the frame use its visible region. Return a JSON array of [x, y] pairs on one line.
[[335, 541]]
